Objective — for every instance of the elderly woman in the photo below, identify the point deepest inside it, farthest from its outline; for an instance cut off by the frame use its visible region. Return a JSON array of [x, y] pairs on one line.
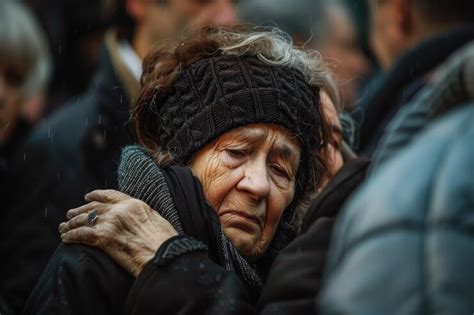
[[231, 133]]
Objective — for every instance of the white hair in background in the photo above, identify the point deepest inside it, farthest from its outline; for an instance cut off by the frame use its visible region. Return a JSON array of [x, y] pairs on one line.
[[22, 41]]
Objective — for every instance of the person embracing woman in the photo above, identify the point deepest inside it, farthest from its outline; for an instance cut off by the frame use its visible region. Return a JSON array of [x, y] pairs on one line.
[[231, 135]]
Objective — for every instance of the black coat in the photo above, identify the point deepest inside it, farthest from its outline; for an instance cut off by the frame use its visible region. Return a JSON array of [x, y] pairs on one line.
[[406, 77], [73, 152]]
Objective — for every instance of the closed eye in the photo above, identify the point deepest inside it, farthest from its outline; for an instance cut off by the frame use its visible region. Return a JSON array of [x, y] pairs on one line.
[[236, 153], [280, 171]]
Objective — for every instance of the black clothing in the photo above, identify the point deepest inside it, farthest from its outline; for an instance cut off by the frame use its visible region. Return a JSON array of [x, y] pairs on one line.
[[80, 279], [404, 244], [397, 87], [10, 152], [190, 284], [71, 153]]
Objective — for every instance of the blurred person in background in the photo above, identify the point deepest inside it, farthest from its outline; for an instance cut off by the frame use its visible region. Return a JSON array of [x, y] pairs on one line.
[[75, 30], [336, 38], [410, 40], [77, 149], [323, 25], [24, 75], [403, 244]]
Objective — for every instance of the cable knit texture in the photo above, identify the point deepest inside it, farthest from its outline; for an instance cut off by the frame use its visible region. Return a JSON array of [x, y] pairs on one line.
[[221, 93]]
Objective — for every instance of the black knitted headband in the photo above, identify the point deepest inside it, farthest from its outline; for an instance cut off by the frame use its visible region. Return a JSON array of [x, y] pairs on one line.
[[221, 93]]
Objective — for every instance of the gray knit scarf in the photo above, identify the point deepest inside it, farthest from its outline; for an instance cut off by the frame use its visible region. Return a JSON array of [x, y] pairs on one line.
[[140, 177]]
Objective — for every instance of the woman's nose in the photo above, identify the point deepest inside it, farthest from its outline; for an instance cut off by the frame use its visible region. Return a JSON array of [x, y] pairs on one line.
[[256, 181]]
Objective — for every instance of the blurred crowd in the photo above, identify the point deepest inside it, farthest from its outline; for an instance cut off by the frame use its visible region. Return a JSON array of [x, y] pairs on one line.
[[387, 229]]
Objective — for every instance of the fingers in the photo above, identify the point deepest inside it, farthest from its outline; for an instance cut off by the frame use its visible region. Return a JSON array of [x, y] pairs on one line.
[[106, 196], [80, 216], [84, 235], [75, 222], [85, 209]]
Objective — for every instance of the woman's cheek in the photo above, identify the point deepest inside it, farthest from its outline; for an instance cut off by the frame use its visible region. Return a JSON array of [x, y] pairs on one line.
[[218, 179], [275, 211]]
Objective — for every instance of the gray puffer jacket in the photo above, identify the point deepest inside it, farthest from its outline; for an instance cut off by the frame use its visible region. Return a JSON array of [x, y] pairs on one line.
[[404, 244]]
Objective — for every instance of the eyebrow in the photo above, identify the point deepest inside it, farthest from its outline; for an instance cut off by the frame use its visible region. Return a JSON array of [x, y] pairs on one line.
[[284, 151]]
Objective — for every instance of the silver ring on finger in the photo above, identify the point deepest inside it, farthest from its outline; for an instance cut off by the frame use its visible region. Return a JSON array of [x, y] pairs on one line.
[[92, 218]]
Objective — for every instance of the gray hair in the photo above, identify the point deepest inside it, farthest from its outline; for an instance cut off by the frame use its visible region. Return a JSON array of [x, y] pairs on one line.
[[22, 41], [275, 47]]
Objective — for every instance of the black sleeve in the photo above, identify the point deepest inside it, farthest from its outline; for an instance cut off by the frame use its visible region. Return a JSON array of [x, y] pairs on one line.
[[190, 283], [29, 232], [295, 278], [80, 280], [42, 187]]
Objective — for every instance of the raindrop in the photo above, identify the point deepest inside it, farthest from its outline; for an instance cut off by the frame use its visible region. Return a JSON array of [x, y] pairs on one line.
[[45, 212]]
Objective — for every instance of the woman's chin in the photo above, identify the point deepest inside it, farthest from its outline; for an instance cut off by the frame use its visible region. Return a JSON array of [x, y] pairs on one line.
[[246, 244]]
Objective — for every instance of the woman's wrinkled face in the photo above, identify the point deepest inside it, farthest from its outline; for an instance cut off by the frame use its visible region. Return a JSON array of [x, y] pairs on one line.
[[248, 176]]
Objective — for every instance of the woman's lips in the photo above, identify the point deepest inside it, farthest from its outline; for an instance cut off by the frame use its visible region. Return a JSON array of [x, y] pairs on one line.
[[248, 217]]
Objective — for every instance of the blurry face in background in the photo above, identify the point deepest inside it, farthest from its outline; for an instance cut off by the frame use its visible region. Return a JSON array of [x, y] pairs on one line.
[[341, 48], [249, 177], [385, 37], [11, 82], [172, 19], [334, 155]]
